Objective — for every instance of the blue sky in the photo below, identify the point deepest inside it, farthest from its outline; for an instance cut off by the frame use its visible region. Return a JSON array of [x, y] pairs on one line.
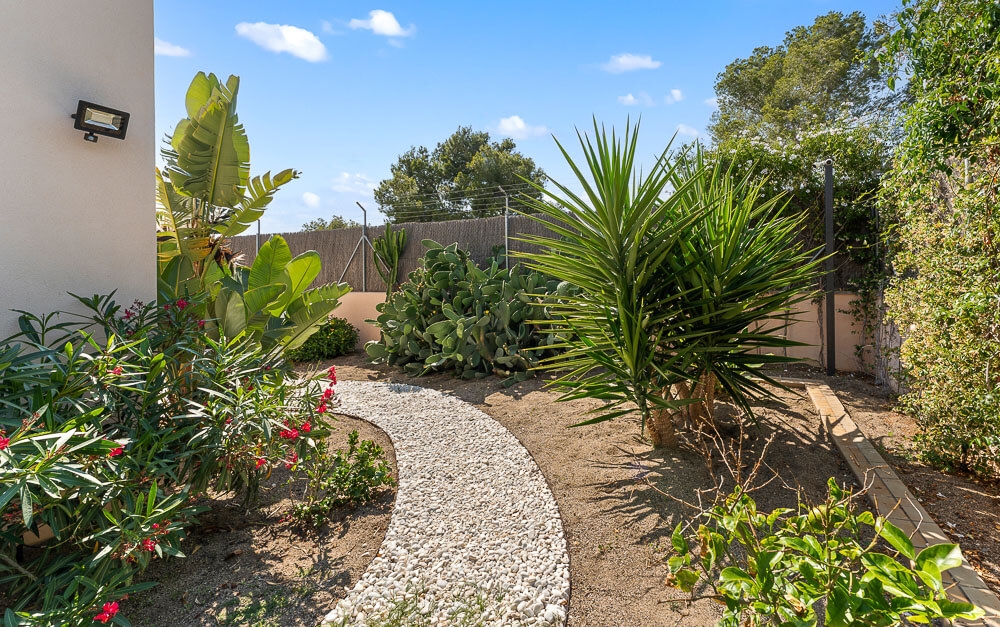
[[338, 90]]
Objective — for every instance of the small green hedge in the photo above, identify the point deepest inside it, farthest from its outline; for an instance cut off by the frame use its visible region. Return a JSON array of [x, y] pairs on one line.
[[335, 338]]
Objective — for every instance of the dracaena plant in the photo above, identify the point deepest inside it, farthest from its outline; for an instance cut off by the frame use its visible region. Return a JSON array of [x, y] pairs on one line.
[[683, 273]]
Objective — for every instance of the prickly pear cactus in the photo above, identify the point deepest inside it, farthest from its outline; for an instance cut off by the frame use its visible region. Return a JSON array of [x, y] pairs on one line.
[[452, 316]]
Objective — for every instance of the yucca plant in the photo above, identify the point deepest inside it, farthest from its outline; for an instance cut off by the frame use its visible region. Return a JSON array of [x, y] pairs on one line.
[[623, 244], [683, 274]]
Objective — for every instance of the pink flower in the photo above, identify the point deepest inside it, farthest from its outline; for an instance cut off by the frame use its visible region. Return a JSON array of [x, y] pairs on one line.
[[148, 545], [321, 408], [103, 617], [4, 442], [166, 307], [128, 314], [332, 373], [156, 525], [201, 324], [115, 452], [289, 434], [306, 427], [116, 370], [260, 462], [327, 394], [181, 304]]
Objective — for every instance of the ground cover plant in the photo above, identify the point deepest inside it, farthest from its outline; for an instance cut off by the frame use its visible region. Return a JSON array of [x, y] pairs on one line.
[[451, 315]]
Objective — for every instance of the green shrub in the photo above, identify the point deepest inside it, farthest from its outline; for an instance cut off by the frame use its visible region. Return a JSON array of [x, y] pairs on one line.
[[334, 338], [109, 441], [942, 226], [339, 478], [451, 315], [774, 568]]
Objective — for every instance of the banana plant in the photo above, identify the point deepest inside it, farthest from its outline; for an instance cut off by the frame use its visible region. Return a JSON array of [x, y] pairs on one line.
[[270, 301], [205, 194]]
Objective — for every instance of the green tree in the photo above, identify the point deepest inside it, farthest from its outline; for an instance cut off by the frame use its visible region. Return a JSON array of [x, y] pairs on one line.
[[461, 177], [818, 74], [786, 109], [335, 222], [943, 227]]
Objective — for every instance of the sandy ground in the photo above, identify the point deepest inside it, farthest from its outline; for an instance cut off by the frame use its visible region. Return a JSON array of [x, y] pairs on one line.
[[248, 568]]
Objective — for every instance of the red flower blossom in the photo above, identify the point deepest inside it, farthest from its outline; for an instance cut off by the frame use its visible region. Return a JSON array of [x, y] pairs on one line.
[[306, 427], [332, 373], [149, 545], [115, 452], [181, 304], [327, 394], [156, 525], [201, 324], [260, 462], [116, 370], [291, 461], [107, 612], [166, 307], [4, 443], [289, 434], [128, 314], [321, 408]]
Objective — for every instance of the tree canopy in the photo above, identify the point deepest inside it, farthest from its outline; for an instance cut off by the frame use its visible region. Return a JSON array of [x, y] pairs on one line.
[[335, 222], [820, 73], [461, 177]]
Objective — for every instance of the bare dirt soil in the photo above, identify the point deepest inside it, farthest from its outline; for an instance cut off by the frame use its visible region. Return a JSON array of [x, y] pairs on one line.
[[619, 499], [255, 567]]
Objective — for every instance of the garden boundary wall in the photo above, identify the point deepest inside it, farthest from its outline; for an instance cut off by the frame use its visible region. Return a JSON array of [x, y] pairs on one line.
[[481, 236]]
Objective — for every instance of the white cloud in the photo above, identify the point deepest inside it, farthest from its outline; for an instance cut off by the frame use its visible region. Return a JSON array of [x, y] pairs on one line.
[[383, 23], [630, 62], [295, 41], [687, 131], [328, 28], [675, 95], [515, 127], [310, 200], [356, 183], [166, 49], [642, 99], [712, 102]]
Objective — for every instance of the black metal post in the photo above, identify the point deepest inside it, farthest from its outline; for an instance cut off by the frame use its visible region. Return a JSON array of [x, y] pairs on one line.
[[831, 327]]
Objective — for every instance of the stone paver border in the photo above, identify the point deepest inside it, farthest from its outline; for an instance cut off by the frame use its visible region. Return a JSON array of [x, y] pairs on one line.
[[892, 499]]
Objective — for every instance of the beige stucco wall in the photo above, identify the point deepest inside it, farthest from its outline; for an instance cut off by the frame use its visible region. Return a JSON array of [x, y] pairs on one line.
[[356, 307], [74, 216]]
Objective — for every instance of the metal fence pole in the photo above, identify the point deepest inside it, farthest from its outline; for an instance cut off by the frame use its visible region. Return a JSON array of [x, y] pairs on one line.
[[831, 330]]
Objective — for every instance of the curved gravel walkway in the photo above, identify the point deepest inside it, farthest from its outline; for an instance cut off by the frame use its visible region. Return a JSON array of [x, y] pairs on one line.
[[475, 536]]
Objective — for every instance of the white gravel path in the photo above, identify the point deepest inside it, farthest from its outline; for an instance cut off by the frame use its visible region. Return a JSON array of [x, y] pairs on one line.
[[475, 537]]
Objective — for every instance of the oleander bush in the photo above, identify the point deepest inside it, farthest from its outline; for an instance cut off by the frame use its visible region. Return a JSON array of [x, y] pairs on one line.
[[110, 428], [452, 316], [333, 338]]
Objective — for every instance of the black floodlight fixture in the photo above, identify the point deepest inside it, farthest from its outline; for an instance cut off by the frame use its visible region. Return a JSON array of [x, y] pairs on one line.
[[94, 119]]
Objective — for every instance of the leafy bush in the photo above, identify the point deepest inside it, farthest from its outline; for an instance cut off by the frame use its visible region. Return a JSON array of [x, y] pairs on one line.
[[109, 441], [943, 225], [338, 478], [779, 566], [451, 315], [334, 338]]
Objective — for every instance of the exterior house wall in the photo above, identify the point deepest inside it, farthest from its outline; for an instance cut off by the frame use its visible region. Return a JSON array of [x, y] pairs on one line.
[[75, 216]]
